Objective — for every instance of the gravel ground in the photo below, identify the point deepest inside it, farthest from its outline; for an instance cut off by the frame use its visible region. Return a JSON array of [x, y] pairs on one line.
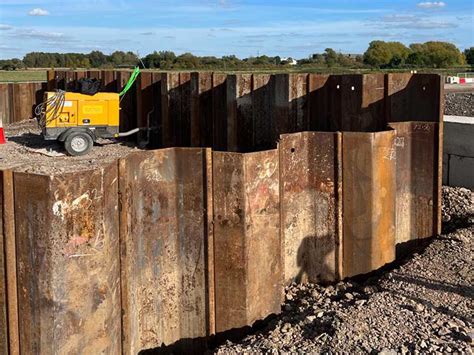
[[459, 104], [423, 305], [27, 151]]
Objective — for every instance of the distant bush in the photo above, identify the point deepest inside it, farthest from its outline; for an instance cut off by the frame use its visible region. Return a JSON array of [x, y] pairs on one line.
[[469, 54], [379, 54], [396, 55]]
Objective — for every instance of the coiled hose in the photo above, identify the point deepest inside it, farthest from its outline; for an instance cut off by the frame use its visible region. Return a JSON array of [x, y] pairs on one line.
[[50, 109]]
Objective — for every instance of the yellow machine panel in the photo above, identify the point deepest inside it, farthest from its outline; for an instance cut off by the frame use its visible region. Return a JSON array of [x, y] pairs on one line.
[[101, 109], [93, 113]]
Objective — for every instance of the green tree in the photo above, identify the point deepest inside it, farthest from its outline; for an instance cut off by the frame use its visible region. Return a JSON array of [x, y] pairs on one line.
[[469, 55], [317, 58], [330, 57], [187, 61], [377, 54], [120, 58], [11, 64], [436, 54], [443, 54], [416, 59], [97, 59], [345, 60], [384, 54]]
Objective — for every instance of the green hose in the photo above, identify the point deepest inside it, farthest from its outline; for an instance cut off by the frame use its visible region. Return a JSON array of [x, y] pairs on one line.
[[130, 82]]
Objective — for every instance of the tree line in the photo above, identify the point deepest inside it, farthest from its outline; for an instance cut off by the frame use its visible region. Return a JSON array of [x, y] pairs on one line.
[[379, 54]]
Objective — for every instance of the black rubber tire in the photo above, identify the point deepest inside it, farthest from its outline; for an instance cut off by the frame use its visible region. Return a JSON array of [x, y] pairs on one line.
[[73, 148]]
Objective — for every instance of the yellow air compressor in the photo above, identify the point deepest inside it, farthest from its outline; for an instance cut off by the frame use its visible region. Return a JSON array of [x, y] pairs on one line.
[[78, 119]]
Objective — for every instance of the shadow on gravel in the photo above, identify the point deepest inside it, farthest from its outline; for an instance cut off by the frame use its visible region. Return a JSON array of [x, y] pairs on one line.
[[36, 141], [428, 304], [462, 290], [458, 222], [206, 345]]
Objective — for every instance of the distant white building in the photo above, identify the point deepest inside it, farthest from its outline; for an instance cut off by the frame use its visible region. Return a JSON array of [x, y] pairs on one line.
[[289, 61]]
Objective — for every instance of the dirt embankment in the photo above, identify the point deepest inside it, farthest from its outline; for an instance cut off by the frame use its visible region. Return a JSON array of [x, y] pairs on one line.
[[422, 305]]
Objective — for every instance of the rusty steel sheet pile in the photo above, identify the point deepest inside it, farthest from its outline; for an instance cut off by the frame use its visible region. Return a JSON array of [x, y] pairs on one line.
[[9, 337], [260, 180], [310, 185], [4, 325], [166, 247], [368, 184], [418, 98], [247, 243], [18, 100], [68, 262], [416, 210]]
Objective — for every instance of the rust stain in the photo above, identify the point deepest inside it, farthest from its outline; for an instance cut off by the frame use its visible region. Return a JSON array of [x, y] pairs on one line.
[[247, 262], [164, 247], [309, 166], [68, 275], [369, 192]]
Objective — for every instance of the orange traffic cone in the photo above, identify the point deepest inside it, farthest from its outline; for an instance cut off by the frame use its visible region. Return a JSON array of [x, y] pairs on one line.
[[2, 133]]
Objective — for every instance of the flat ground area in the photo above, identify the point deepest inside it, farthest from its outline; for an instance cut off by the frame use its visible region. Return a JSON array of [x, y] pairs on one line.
[[28, 151], [459, 104], [459, 87], [423, 304]]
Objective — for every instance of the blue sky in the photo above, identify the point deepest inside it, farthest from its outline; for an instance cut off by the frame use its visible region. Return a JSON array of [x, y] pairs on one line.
[[219, 27]]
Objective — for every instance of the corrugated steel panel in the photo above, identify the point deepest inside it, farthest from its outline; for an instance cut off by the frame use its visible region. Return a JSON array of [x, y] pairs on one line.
[[414, 97], [18, 100], [416, 180], [369, 190], [310, 211], [4, 326], [22, 102], [60, 79], [8, 289], [298, 107], [239, 112], [176, 109], [128, 108], [263, 112], [94, 74], [167, 245], [219, 111], [5, 109], [109, 82], [318, 103], [282, 110], [51, 80], [79, 74], [420, 97], [201, 110], [247, 244], [69, 80], [68, 262], [148, 108]]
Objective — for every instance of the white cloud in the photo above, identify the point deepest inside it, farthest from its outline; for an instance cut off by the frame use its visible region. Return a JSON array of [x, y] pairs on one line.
[[407, 21], [399, 18], [34, 34], [38, 12], [4, 27], [431, 4]]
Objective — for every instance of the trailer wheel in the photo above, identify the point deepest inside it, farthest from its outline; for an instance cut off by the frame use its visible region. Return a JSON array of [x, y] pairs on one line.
[[78, 143]]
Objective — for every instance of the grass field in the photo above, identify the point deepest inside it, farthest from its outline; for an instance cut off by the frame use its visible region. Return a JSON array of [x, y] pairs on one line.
[[22, 75], [40, 75]]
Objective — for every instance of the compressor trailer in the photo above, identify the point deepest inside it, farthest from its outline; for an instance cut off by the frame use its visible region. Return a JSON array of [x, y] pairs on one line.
[[78, 120]]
